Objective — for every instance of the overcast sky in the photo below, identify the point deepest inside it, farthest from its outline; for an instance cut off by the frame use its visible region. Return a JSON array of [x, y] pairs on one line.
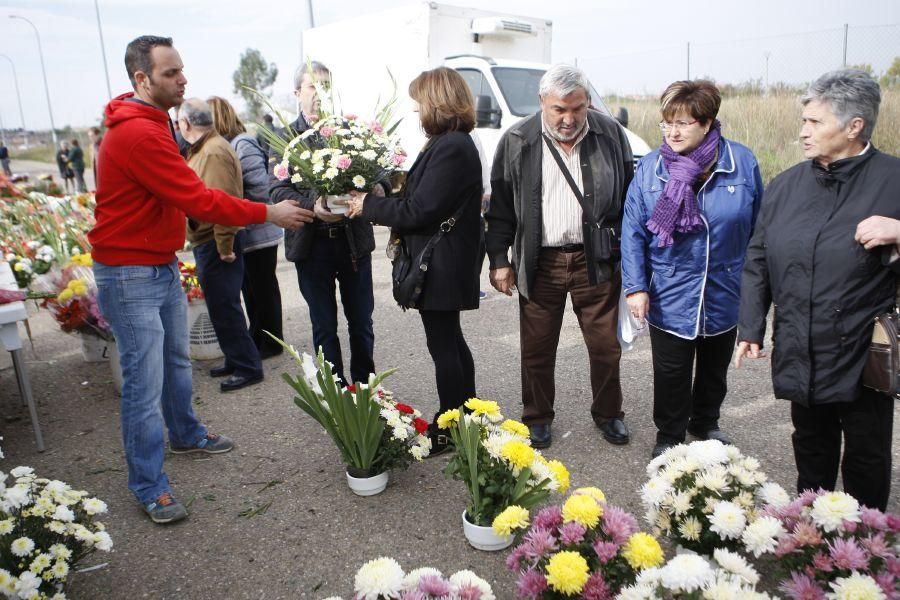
[[626, 46]]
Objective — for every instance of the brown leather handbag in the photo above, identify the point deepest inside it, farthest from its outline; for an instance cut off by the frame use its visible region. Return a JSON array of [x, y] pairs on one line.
[[882, 370]]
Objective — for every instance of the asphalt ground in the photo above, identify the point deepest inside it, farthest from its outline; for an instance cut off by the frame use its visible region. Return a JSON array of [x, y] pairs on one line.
[[274, 518]]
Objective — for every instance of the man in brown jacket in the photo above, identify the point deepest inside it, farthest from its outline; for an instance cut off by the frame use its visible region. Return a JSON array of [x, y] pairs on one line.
[[217, 248]]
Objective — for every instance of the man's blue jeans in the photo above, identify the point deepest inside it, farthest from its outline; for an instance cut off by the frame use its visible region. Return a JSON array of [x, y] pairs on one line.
[[147, 310], [329, 260]]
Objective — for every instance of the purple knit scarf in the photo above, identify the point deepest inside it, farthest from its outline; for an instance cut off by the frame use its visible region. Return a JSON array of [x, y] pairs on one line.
[[677, 209]]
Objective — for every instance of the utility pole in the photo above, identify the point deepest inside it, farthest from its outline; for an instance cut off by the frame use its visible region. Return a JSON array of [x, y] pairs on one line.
[[44, 72], [767, 54], [18, 97], [846, 32], [102, 48], [688, 60]]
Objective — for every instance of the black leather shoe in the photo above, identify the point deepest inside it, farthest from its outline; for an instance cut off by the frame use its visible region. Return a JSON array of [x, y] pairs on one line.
[[222, 371], [540, 435], [713, 434], [615, 432], [659, 448], [236, 382], [440, 441]]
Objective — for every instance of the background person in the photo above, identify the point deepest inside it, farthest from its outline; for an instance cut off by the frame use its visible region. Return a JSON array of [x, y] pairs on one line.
[[445, 177], [262, 296], [65, 169], [816, 255], [689, 215], [76, 162], [96, 137]]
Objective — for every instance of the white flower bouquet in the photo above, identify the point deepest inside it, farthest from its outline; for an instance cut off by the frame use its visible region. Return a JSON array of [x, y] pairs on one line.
[[46, 529], [495, 460], [374, 432], [383, 579], [702, 495], [691, 576]]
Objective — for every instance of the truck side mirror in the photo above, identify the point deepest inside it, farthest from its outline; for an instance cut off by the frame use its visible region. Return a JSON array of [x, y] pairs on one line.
[[485, 114], [622, 116]]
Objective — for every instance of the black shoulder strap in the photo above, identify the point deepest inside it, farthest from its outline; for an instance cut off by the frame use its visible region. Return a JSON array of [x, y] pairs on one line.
[[588, 210]]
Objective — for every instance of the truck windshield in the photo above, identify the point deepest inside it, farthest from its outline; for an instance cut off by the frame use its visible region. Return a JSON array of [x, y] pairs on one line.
[[520, 88]]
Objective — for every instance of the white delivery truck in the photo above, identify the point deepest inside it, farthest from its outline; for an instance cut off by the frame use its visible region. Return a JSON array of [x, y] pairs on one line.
[[501, 57]]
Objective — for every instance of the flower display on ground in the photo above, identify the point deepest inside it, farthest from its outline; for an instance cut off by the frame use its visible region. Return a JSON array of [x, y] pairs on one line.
[[383, 579], [46, 529], [703, 495], [494, 458], [585, 548]]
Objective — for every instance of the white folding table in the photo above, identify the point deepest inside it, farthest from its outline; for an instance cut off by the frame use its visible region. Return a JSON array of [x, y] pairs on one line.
[[10, 315]]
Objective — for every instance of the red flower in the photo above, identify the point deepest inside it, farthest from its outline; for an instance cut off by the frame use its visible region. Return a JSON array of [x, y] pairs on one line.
[[405, 409], [351, 388], [421, 425]]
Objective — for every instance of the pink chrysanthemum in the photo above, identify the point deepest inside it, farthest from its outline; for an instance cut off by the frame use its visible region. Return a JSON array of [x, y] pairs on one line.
[[822, 562], [469, 592], [618, 524], [531, 585], [596, 588], [786, 545], [548, 518], [434, 585], [806, 534], [515, 558], [413, 595], [572, 533], [873, 518], [876, 545], [539, 543], [802, 587], [605, 551], [847, 554]]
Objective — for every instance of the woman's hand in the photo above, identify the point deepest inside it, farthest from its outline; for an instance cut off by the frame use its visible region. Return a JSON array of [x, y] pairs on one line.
[[748, 349], [638, 304], [878, 231], [355, 204], [324, 213]]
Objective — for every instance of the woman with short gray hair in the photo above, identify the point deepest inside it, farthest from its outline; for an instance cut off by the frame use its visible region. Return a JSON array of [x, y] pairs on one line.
[[820, 255]]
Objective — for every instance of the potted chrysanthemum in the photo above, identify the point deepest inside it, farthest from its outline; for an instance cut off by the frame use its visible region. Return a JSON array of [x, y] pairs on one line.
[[494, 458], [585, 548], [373, 432]]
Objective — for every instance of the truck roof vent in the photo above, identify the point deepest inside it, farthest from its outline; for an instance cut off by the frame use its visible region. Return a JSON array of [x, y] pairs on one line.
[[501, 26]]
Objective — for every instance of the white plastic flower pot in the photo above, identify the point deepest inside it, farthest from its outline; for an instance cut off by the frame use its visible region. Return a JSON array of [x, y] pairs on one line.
[[338, 204], [484, 538], [368, 486], [204, 345], [115, 366], [93, 348]]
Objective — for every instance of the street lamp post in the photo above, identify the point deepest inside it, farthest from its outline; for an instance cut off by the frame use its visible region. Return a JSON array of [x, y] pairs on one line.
[[102, 48], [44, 73], [19, 97]]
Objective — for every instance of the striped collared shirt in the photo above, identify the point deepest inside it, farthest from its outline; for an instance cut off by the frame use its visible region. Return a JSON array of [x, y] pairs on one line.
[[560, 209]]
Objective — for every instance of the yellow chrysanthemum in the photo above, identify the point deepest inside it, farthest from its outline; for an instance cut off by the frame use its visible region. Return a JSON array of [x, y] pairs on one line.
[[594, 492], [582, 509], [519, 454], [82, 260], [567, 572], [512, 518], [65, 295], [561, 473], [515, 427], [448, 419], [642, 551], [483, 407]]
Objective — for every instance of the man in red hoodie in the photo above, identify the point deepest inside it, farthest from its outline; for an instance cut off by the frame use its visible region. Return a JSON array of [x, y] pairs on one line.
[[143, 194]]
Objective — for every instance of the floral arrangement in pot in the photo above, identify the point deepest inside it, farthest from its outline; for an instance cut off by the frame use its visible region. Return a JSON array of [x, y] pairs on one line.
[[494, 458], [383, 579], [373, 432], [585, 548], [824, 544], [46, 529], [75, 306], [702, 495]]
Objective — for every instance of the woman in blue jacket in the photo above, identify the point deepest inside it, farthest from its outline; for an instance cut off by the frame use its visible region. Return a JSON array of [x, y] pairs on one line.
[[689, 214]]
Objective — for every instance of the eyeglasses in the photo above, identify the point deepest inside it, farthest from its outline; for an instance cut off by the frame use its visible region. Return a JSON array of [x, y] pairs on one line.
[[665, 127]]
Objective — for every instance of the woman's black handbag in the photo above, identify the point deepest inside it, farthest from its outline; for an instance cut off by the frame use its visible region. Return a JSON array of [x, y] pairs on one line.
[[408, 273], [882, 369]]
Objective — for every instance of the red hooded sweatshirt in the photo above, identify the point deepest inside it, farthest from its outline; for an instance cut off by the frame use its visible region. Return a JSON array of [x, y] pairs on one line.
[[145, 188]]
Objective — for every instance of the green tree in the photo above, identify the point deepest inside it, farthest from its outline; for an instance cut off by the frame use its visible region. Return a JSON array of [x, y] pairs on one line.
[[891, 77], [866, 67], [254, 73]]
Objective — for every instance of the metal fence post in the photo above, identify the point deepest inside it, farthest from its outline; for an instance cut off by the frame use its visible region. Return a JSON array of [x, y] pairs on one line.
[[846, 31]]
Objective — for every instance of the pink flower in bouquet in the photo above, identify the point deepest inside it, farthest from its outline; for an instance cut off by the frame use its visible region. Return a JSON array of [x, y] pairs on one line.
[[413, 595], [873, 518], [786, 545], [893, 522], [344, 162], [807, 534], [847, 554], [822, 562], [877, 546], [326, 131], [596, 589], [548, 518], [802, 587], [538, 543], [887, 583], [515, 558], [376, 127], [572, 533], [281, 171], [531, 585], [469, 592], [433, 585], [605, 551], [351, 117], [618, 524], [398, 159]]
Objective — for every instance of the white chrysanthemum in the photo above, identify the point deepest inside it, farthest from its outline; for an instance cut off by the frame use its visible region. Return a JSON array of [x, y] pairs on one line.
[[773, 494], [60, 569], [685, 573], [412, 578], [681, 502], [417, 452], [713, 478], [60, 551], [379, 577], [21, 472], [709, 452], [359, 181], [856, 586], [56, 487], [7, 526], [22, 546], [5, 578], [27, 584], [399, 433], [732, 452], [762, 535], [728, 520], [637, 592], [830, 510], [655, 490], [665, 458], [734, 563], [466, 578], [56, 527], [18, 495], [102, 541], [83, 534], [541, 471], [40, 563], [64, 514], [94, 506], [690, 529]]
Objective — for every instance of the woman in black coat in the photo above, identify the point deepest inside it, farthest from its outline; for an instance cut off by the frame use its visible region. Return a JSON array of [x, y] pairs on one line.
[[817, 254], [445, 178]]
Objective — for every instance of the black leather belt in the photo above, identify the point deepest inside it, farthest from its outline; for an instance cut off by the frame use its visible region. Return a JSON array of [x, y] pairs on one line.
[[567, 248], [330, 231]]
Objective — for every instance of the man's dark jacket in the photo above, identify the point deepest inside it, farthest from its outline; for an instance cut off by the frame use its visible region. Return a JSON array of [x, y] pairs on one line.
[[825, 286], [297, 244], [514, 217], [445, 177]]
